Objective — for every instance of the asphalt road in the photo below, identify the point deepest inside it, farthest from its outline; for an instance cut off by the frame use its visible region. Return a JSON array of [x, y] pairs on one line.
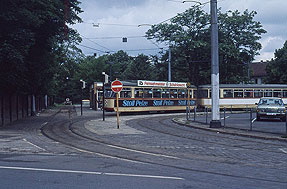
[[60, 149]]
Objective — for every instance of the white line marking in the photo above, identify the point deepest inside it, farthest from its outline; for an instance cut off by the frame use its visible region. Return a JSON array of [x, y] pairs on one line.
[[225, 117], [283, 150], [253, 120], [44, 124], [33, 144], [90, 172]]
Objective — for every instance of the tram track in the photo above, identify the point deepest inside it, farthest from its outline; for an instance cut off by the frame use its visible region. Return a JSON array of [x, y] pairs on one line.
[[173, 129], [63, 131]]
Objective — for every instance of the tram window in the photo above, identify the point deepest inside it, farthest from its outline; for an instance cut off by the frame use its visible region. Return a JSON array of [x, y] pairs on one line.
[[181, 93], [126, 93], [228, 93], [138, 92], [277, 94], [203, 93], [147, 93], [284, 93], [258, 93], [267, 93], [165, 93], [173, 93], [194, 93], [156, 93], [248, 93], [109, 93], [238, 93]]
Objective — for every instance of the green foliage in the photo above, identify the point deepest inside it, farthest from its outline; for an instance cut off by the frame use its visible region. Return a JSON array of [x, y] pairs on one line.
[[276, 69], [140, 68], [31, 31], [118, 65], [188, 34]]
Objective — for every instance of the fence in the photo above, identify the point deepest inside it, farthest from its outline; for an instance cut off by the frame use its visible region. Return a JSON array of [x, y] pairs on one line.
[[15, 107]]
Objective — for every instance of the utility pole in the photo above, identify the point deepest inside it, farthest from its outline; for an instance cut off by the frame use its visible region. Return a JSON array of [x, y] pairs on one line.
[[169, 64], [215, 122]]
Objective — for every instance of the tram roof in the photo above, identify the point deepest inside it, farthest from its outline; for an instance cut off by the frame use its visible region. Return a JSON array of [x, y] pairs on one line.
[[247, 86]]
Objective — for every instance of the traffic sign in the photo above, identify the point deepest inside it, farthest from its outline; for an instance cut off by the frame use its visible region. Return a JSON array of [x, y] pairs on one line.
[[117, 86]]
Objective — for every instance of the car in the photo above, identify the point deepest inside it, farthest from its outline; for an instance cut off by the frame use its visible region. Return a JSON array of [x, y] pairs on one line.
[[270, 107]]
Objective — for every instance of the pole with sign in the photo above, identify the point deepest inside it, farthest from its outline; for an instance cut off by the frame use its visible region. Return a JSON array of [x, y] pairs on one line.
[[117, 86]]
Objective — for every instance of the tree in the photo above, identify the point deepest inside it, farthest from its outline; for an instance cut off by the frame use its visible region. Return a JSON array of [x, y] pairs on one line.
[[188, 34], [276, 68], [31, 31], [140, 68]]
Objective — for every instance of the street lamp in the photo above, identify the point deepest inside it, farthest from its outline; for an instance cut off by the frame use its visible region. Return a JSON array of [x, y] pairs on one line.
[[83, 86], [105, 80]]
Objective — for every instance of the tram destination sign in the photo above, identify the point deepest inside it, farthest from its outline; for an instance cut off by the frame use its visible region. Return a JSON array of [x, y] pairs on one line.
[[116, 86], [153, 103]]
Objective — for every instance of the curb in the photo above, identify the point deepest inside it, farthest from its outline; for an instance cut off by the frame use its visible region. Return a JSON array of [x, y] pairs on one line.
[[230, 131]]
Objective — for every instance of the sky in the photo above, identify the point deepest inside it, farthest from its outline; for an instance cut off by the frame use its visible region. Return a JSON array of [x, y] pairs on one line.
[[106, 22]]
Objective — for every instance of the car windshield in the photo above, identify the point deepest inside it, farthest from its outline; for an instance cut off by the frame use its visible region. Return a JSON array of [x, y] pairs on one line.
[[271, 101]]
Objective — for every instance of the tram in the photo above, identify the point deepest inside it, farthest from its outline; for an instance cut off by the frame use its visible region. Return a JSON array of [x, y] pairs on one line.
[[151, 96], [241, 95]]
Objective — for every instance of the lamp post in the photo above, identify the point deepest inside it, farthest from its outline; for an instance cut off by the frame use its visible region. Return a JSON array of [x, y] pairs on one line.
[[169, 64], [83, 86], [215, 122], [105, 80]]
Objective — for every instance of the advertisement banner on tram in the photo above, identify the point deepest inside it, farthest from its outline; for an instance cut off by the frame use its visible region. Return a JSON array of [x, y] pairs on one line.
[[154, 103], [144, 83]]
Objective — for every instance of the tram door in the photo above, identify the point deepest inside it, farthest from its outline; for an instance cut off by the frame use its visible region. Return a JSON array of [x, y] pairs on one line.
[[98, 95]]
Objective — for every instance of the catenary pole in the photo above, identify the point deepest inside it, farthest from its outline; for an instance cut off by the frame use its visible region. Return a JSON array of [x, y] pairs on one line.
[[169, 64], [215, 122]]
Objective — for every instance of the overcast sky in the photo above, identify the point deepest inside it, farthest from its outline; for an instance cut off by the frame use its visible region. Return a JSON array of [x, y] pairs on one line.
[[107, 21]]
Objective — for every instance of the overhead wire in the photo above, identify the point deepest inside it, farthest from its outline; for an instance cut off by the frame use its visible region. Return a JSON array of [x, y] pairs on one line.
[[96, 43], [92, 48], [133, 25], [115, 37]]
